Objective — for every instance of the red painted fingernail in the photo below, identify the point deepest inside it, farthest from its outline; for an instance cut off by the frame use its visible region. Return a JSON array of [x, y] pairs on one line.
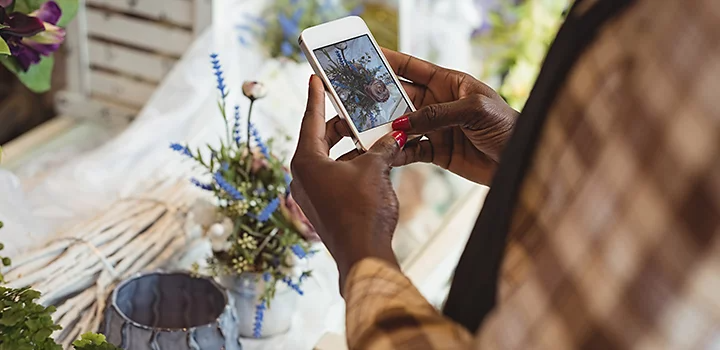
[[402, 123], [311, 76], [400, 137]]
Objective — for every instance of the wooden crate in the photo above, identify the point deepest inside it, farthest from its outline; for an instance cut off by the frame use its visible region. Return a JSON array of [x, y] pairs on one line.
[[120, 50]]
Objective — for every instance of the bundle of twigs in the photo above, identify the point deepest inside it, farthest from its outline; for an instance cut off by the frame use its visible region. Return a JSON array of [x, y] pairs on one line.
[[79, 266]]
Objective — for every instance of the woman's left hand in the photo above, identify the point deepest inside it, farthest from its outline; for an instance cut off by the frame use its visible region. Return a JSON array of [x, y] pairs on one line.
[[351, 203]]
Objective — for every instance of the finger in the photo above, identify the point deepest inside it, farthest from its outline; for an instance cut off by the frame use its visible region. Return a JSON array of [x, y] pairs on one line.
[[415, 152], [467, 111], [411, 68], [312, 130], [349, 156], [335, 129], [415, 92], [388, 147]]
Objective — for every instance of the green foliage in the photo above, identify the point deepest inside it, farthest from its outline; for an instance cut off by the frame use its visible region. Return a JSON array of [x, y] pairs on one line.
[[69, 10], [301, 15], [4, 48], [93, 341], [27, 325], [37, 78], [518, 41], [251, 187], [24, 324]]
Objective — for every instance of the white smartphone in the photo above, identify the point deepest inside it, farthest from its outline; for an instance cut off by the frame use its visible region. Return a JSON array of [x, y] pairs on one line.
[[358, 79]]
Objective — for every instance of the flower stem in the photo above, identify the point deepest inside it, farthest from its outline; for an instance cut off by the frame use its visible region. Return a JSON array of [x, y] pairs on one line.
[[252, 102]]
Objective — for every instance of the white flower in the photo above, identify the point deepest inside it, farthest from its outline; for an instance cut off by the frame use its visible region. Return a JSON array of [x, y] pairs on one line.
[[219, 234], [254, 90]]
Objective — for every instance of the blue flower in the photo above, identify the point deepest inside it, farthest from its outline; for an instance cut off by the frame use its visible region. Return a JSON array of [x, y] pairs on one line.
[[259, 141], [181, 149], [204, 186], [292, 285], [236, 129], [259, 315], [266, 276], [297, 15], [268, 210], [298, 251], [218, 74], [288, 179], [289, 28], [286, 48], [227, 187]]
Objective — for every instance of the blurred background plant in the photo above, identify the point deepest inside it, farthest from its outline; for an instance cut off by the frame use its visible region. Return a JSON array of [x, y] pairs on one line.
[[513, 42], [278, 29]]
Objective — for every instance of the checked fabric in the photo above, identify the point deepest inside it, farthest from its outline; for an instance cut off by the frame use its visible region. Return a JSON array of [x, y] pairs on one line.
[[614, 239]]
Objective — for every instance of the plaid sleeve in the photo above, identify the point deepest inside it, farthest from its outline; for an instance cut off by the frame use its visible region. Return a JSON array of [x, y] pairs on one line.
[[385, 311]]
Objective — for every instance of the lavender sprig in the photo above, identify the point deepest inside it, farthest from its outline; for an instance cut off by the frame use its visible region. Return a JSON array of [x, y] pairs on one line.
[[204, 186], [298, 251], [258, 140], [227, 187], [268, 210], [181, 149], [259, 315], [236, 129], [293, 285], [217, 68]]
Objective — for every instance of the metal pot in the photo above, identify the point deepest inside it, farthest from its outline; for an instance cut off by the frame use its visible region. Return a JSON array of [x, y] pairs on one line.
[[170, 311], [246, 291]]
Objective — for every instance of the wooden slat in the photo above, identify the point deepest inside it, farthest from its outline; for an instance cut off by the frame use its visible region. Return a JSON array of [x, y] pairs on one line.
[[82, 107], [127, 60], [203, 16], [137, 32], [120, 89], [175, 11]]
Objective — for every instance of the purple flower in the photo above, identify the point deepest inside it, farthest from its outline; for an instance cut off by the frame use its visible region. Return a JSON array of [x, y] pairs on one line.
[[31, 36]]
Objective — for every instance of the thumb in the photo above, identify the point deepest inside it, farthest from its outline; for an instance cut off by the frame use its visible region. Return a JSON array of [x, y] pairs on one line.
[[388, 147], [444, 115]]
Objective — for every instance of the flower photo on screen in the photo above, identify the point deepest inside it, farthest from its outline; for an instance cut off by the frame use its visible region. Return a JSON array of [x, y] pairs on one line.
[[363, 82]]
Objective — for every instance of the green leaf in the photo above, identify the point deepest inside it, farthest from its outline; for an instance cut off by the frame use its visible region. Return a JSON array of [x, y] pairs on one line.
[[37, 78], [4, 48], [69, 10], [27, 6]]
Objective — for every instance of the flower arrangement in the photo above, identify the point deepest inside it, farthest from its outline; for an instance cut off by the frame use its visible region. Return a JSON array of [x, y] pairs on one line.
[[281, 23], [30, 32], [362, 88], [27, 325], [258, 227], [519, 36]]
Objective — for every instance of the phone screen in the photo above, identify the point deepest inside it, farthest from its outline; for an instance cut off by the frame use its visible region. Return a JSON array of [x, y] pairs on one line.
[[363, 82]]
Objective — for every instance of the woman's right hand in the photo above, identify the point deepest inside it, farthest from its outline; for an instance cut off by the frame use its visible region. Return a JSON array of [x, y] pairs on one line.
[[466, 122]]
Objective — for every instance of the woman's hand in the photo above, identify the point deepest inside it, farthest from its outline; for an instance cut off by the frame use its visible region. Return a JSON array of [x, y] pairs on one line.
[[466, 122], [351, 204]]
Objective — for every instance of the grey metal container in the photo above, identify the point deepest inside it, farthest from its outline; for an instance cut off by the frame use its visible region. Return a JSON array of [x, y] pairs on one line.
[[245, 291], [170, 311]]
